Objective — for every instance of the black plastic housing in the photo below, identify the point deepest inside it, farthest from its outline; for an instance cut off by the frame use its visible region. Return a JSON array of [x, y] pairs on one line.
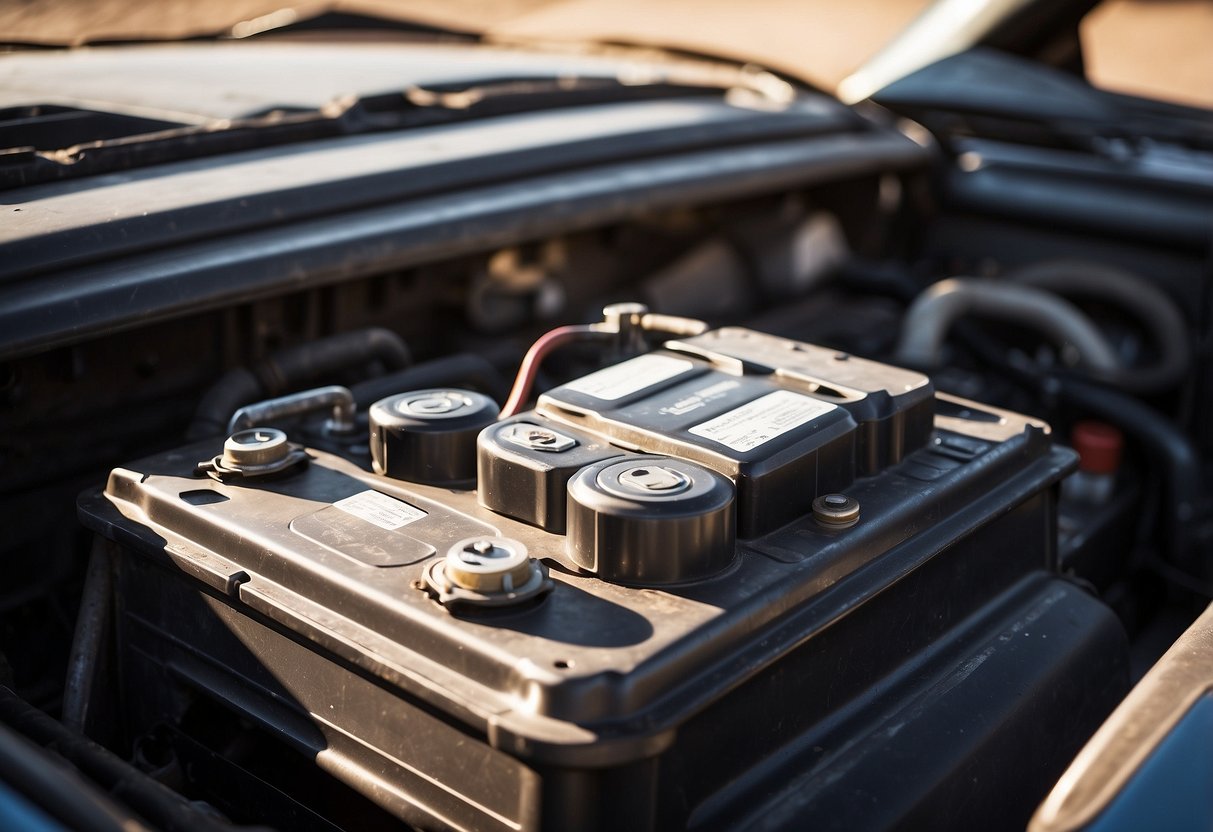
[[528, 480], [676, 406], [429, 436], [684, 529], [893, 407]]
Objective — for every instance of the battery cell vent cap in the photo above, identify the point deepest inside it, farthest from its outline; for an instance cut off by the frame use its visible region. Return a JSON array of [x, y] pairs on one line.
[[429, 436], [650, 520]]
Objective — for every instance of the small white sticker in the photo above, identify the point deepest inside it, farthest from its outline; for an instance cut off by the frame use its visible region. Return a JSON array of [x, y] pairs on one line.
[[626, 378], [380, 509], [748, 426]]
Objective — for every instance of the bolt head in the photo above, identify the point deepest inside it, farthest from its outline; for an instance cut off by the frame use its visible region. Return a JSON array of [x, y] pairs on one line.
[[837, 511]]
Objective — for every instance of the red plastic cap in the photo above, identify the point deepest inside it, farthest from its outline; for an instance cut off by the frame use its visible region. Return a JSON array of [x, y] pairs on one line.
[[1098, 445]]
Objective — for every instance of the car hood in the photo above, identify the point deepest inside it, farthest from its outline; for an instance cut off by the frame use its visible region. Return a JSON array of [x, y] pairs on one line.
[[818, 41], [199, 82]]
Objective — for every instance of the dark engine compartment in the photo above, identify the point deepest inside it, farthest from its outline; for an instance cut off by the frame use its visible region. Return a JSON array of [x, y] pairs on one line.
[[276, 659]]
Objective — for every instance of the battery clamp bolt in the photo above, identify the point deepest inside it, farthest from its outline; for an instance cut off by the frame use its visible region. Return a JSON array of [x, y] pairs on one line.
[[836, 511], [629, 322]]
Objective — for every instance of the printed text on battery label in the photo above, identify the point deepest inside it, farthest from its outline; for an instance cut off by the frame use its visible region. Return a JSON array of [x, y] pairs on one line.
[[380, 509], [760, 421]]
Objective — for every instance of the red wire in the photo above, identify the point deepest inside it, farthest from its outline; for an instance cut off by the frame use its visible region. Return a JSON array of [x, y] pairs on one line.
[[529, 367]]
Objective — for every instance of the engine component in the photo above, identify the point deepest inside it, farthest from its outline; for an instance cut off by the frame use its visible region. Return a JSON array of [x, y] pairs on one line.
[[429, 436], [1156, 311], [697, 603], [1099, 447], [934, 311], [292, 367], [340, 399]]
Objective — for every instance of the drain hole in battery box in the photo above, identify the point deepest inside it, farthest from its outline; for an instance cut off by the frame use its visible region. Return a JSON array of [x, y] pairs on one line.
[[203, 497]]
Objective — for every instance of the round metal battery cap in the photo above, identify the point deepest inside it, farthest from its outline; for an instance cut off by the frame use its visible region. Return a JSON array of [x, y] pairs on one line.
[[429, 436], [650, 520], [255, 446], [488, 564]]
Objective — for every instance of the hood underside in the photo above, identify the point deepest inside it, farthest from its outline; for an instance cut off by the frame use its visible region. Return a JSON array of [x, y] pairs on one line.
[[818, 41]]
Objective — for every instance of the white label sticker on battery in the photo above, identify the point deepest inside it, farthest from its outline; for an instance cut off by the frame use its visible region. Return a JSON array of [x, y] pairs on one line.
[[630, 376], [746, 427], [380, 509]]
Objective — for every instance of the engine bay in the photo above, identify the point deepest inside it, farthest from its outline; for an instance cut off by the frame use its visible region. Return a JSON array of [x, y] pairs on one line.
[[836, 469]]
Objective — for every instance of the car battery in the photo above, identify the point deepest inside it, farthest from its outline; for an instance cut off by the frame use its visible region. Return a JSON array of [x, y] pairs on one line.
[[731, 583]]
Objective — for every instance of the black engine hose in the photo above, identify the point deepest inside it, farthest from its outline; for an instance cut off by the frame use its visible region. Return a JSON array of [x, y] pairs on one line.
[[1145, 302], [1176, 457], [233, 390], [320, 359], [126, 785], [291, 367], [460, 370]]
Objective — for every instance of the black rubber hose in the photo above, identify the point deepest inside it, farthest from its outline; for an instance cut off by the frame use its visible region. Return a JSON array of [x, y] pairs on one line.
[[233, 390], [156, 803], [460, 370], [290, 368], [327, 356], [934, 312], [1139, 298], [50, 785], [1174, 454]]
